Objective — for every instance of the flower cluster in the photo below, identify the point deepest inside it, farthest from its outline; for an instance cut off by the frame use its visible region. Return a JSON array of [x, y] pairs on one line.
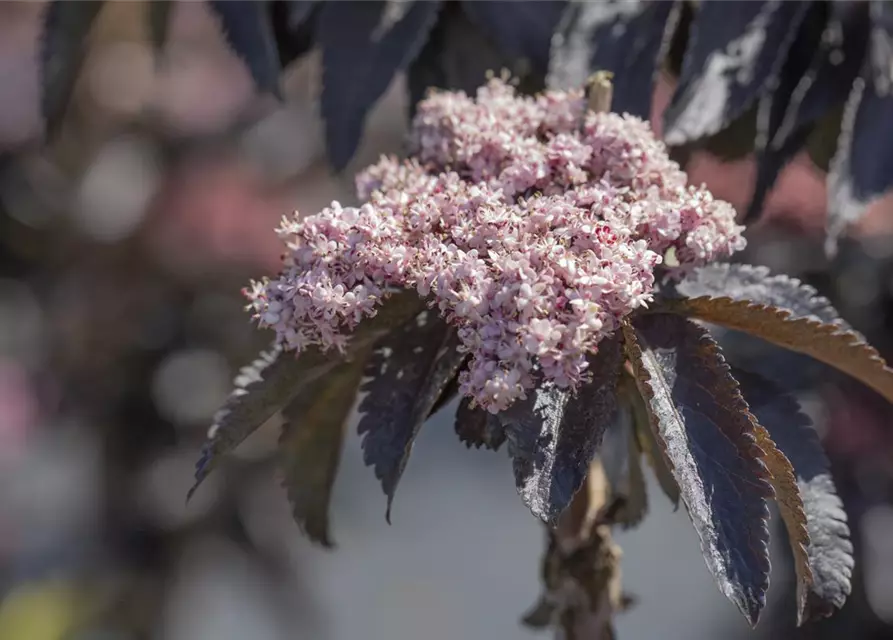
[[532, 226]]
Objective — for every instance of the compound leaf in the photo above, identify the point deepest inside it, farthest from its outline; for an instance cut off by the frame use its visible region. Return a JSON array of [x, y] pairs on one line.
[[364, 44], [735, 50], [554, 433], [478, 428], [410, 368], [66, 26], [832, 344], [626, 38], [704, 425], [270, 382], [247, 29], [310, 446], [829, 550]]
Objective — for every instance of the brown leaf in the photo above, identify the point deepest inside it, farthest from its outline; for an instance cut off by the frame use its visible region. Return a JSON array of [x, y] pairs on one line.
[[310, 445], [790, 506], [828, 343]]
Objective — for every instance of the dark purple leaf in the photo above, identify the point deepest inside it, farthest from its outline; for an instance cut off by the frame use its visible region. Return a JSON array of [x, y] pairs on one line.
[[830, 551], [836, 64], [554, 433], [310, 446], [410, 369], [521, 28], [478, 428], [862, 169], [298, 12], [736, 50], [294, 26], [247, 29], [63, 47], [270, 382], [626, 38], [708, 434], [775, 103], [364, 44], [755, 284]]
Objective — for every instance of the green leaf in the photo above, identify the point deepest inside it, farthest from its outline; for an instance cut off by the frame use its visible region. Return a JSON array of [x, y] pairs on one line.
[[66, 26], [829, 550], [735, 51], [410, 369], [310, 446], [704, 426], [364, 44], [478, 428], [247, 29], [554, 433], [832, 344], [271, 381], [159, 18], [627, 39]]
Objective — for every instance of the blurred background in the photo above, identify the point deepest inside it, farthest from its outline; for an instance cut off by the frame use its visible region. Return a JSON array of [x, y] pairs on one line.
[[123, 247]]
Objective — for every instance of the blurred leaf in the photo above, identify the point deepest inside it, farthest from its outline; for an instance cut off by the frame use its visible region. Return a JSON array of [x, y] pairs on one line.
[[836, 63], [298, 12], [734, 142], [159, 23], [554, 433], [521, 28], [862, 169], [626, 38], [478, 428], [756, 285], [310, 445], [247, 29], [774, 105], [672, 61], [708, 434], [541, 614], [410, 369], [735, 51], [270, 382], [294, 26], [620, 457], [829, 343], [647, 442], [66, 26], [364, 44], [830, 552], [881, 55], [822, 142]]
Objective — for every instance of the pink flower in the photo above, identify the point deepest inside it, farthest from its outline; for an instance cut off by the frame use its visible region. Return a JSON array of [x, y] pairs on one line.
[[531, 229]]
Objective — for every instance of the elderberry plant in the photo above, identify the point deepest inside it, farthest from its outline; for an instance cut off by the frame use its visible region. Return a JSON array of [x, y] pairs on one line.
[[546, 262]]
